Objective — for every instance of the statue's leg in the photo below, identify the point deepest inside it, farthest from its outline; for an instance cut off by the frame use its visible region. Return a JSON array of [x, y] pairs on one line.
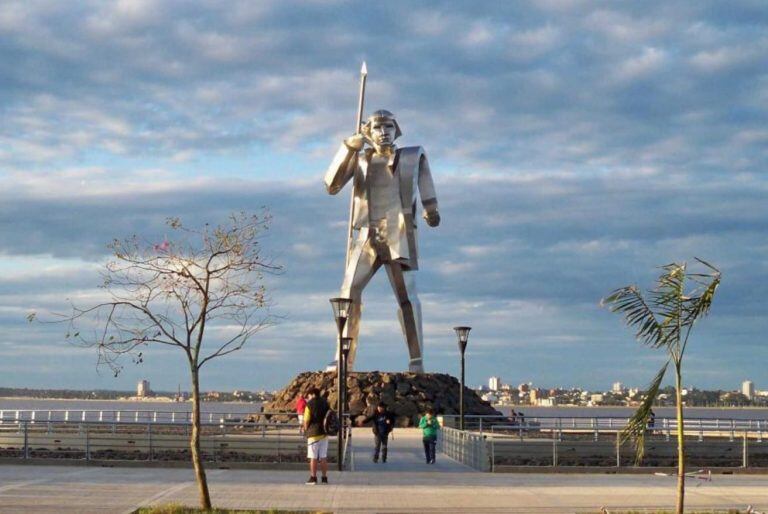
[[363, 263], [404, 286]]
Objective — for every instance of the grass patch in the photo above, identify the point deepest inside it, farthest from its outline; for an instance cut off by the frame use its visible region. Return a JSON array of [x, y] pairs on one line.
[[182, 509]]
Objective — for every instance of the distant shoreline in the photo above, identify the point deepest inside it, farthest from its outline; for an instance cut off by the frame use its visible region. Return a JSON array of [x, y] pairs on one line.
[[134, 400], [508, 405]]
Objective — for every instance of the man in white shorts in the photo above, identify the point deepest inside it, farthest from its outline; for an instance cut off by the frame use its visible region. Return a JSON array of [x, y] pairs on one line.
[[317, 440]]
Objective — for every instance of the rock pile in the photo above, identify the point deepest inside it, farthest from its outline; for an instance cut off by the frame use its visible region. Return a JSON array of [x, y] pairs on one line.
[[406, 395]]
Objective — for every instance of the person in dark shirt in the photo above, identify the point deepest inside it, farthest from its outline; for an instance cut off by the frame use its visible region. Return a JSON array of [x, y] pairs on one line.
[[317, 440], [383, 423]]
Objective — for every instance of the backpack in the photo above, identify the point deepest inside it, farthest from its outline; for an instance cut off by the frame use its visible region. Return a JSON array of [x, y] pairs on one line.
[[331, 423]]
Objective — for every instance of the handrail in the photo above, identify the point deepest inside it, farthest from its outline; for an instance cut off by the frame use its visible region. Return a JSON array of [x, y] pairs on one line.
[[136, 415], [129, 440], [346, 450], [591, 422]]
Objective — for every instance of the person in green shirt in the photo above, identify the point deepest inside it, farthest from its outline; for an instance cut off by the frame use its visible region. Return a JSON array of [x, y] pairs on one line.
[[429, 427]]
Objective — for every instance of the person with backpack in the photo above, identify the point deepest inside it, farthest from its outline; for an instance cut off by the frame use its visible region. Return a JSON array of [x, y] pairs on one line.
[[429, 427], [383, 423], [316, 415]]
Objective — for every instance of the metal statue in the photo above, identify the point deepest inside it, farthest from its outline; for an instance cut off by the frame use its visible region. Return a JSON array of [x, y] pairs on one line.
[[385, 181]]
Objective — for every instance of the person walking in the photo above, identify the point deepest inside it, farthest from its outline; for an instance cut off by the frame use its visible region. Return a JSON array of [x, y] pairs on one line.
[[317, 440], [429, 427], [383, 423], [301, 404]]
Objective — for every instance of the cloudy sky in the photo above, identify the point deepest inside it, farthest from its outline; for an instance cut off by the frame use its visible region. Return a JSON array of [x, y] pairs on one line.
[[575, 145]]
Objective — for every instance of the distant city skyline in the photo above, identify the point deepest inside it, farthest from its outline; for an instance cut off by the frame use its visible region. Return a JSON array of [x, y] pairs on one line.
[[744, 386], [575, 147]]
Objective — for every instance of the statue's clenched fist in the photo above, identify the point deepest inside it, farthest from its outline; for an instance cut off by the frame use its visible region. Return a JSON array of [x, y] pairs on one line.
[[355, 142], [432, 218]]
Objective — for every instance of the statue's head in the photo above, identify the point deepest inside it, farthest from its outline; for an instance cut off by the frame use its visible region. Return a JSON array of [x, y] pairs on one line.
[[382, 130]]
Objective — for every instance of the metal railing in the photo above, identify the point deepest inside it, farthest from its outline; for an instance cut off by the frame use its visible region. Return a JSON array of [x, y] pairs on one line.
[[222, 441], [525, 445], [127, 415], [346, 456], [469, 448], [554, 441], [597, 425]]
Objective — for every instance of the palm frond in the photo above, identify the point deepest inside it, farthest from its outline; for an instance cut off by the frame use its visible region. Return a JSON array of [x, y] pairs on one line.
[[667, 300], [637, 426], [630, 302], [700, 302]]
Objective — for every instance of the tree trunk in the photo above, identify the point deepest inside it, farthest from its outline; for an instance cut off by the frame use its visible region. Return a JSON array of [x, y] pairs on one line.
[[194, 443], [680, 441]]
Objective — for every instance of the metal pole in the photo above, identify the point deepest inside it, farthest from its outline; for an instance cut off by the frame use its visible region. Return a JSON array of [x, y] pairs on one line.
[[461, 395], [744, 452], [87, 444], [26, 440], [339, 405], [554, 451], [344, 390]]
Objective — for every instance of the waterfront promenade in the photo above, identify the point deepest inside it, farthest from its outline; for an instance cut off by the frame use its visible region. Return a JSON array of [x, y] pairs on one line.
[[404, 484]]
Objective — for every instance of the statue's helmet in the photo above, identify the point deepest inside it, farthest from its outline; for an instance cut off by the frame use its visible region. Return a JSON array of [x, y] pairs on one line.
[[382, 114]]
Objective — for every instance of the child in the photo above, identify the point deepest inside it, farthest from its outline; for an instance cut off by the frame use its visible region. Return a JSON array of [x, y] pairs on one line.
[[429, 427]]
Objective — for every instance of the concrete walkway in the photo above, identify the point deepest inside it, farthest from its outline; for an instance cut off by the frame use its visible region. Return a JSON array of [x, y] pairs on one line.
[[406, 454], [64, 489], [405, 484]]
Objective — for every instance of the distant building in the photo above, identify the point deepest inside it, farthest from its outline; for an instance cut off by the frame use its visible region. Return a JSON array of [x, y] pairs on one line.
[[142, 389], [748, 389], [490, 397], [596, 399], [494, 383], [617, 387]]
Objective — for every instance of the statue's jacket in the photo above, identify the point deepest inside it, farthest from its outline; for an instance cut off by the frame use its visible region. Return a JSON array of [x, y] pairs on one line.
[[411, 172]]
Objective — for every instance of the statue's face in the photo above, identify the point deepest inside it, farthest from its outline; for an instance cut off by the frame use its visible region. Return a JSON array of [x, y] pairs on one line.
[[383, 135]]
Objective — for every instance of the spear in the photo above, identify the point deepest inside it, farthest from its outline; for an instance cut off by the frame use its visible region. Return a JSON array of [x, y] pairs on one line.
[[358, 126]]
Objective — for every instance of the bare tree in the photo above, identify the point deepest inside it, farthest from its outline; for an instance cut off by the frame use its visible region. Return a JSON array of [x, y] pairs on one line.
[[201, 292]]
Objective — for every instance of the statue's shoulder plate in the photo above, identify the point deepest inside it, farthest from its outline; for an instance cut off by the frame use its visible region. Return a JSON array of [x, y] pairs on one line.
[[408, 160], [411, 153]]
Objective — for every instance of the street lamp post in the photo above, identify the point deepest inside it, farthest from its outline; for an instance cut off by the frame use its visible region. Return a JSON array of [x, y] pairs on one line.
[[340, 313], [346, 344], [463, 334]]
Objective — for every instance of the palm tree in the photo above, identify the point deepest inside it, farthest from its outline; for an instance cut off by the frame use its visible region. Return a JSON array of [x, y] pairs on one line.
[[663, 319]]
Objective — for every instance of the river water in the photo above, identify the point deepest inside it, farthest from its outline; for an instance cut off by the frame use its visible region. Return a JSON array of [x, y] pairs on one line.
[[12, 404]]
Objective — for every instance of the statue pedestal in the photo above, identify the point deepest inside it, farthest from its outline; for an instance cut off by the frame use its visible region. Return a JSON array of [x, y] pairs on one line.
[[406, 395]]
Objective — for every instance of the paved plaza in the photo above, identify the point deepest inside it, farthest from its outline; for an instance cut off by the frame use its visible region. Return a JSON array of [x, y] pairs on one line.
[[404, 484]]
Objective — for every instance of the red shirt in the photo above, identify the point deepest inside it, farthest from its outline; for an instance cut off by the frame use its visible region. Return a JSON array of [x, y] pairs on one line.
[[301, 403]]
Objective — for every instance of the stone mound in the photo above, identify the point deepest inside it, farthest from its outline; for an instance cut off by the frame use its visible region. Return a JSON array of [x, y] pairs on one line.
[[406, 395]]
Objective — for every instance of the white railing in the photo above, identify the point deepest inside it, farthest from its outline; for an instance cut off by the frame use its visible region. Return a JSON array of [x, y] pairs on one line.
[[598, 425], [466, 447], [126, 415], [128, 440]]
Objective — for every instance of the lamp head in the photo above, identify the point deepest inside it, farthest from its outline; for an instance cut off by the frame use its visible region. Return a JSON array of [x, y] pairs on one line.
[[462, 333], [346, 346], [341, 307]]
